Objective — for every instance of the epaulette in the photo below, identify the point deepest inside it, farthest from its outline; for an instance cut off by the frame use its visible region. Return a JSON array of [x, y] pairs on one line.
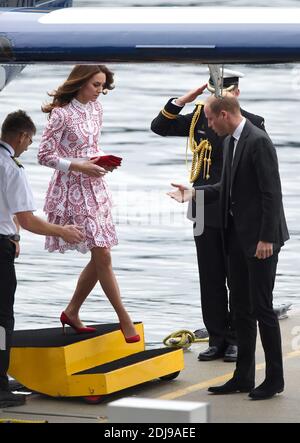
[[17, 162], [199, 104]]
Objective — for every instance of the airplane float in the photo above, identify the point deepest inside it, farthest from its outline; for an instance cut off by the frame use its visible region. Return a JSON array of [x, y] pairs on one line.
[[41, 31]]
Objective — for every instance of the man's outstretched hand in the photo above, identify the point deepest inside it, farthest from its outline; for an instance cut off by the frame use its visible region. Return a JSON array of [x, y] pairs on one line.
[[183, 194]]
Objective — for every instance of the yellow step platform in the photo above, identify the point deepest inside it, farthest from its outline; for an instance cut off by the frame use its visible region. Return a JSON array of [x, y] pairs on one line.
[[100, 363]]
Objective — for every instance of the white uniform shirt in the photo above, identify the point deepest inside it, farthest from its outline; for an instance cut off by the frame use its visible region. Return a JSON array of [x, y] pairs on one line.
[[15, 192]]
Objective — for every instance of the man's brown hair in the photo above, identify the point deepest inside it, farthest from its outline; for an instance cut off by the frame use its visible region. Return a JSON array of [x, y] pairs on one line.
[[17, 122], [227, 102]]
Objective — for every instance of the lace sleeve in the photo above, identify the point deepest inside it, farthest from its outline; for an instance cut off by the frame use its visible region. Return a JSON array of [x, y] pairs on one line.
[[48, 152]]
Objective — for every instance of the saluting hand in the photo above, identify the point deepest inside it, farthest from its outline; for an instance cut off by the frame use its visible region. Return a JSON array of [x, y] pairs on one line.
[[190, 96], [183, 194]]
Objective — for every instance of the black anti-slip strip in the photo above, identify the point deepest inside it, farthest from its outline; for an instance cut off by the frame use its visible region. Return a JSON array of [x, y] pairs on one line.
[[126, 361], [54, 337]]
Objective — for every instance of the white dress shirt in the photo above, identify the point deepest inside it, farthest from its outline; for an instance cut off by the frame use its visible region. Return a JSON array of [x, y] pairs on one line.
[[236, 135], [15, 192]]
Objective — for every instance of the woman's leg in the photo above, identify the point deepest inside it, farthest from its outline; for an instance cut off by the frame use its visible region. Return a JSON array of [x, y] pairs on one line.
[[86, 283], [102, 262]]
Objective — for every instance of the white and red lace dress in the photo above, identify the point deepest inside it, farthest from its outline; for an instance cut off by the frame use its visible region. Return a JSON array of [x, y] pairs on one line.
[[72, 133]]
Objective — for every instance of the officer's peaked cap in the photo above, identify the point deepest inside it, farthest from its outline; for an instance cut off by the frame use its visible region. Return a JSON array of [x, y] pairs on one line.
[[230, 80]]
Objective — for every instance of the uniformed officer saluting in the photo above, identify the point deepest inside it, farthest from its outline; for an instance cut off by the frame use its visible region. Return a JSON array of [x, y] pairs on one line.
[[16, 207], [207, 150]]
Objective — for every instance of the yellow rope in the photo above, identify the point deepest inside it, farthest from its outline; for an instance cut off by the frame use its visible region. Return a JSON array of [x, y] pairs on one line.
[[201, 152], [182, 339]]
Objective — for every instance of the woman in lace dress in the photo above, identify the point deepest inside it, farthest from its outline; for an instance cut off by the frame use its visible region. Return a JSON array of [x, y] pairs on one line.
[[78, 193]]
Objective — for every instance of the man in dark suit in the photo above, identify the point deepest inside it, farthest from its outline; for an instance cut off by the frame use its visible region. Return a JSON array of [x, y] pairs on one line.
[[253, 230], [212, 263]]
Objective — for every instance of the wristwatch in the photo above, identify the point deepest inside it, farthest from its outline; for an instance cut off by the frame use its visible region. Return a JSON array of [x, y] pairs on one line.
[[15, 237]]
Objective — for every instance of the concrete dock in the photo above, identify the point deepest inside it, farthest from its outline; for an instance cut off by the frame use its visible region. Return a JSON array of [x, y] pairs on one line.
[[191, 385]]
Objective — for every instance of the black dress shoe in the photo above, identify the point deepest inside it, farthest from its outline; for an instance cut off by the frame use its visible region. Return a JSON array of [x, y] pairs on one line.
[[231, 387], [8, 399], [201, 333], [211, 353], [14, 385], [230, 354], [266, 390]]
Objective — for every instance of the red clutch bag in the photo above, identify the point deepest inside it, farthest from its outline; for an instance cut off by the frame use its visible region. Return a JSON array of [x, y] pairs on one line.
[[108, 160]]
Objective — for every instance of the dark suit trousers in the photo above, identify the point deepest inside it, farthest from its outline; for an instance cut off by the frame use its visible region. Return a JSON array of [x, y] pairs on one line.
[[214, 296], [252, 281], [8, 284]]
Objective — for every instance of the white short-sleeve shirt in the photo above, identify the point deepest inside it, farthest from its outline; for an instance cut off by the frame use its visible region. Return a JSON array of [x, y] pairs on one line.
[[15, 193]]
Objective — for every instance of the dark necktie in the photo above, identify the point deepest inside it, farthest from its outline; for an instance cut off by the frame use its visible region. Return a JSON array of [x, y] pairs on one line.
[[229, 171], [230, 151]]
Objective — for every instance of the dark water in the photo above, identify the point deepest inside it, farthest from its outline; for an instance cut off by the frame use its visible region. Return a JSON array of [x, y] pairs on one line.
[[155, 260]]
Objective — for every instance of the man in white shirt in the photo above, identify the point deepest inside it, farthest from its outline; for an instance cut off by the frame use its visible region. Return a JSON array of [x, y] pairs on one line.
[[16, 208]]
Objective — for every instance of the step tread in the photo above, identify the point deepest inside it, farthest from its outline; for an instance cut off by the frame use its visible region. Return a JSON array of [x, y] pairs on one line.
[[126, 361], [54, 337]]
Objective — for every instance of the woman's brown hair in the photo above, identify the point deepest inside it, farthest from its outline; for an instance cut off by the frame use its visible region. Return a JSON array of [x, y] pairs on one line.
[[79, 75]]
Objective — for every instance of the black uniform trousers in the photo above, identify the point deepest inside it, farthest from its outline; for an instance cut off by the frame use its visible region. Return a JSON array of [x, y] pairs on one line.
[[8, 284], [215, 301], [252, 282]]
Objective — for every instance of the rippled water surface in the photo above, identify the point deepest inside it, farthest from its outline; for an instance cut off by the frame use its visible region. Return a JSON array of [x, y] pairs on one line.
[[155, 260]]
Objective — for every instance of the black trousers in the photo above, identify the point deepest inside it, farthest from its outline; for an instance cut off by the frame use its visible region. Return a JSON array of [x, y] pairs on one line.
[[252, 281], [212, 264], [8, 284]]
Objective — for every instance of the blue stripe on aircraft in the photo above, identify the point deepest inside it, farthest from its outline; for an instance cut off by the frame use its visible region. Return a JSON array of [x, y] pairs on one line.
[[34, 42]]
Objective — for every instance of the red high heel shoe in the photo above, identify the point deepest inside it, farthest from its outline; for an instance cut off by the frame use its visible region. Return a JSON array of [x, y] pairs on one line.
[[132, 339], [66, 321]]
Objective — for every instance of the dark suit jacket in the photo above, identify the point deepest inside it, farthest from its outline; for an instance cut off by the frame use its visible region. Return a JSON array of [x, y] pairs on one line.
[[256, 199], [181, 127]]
